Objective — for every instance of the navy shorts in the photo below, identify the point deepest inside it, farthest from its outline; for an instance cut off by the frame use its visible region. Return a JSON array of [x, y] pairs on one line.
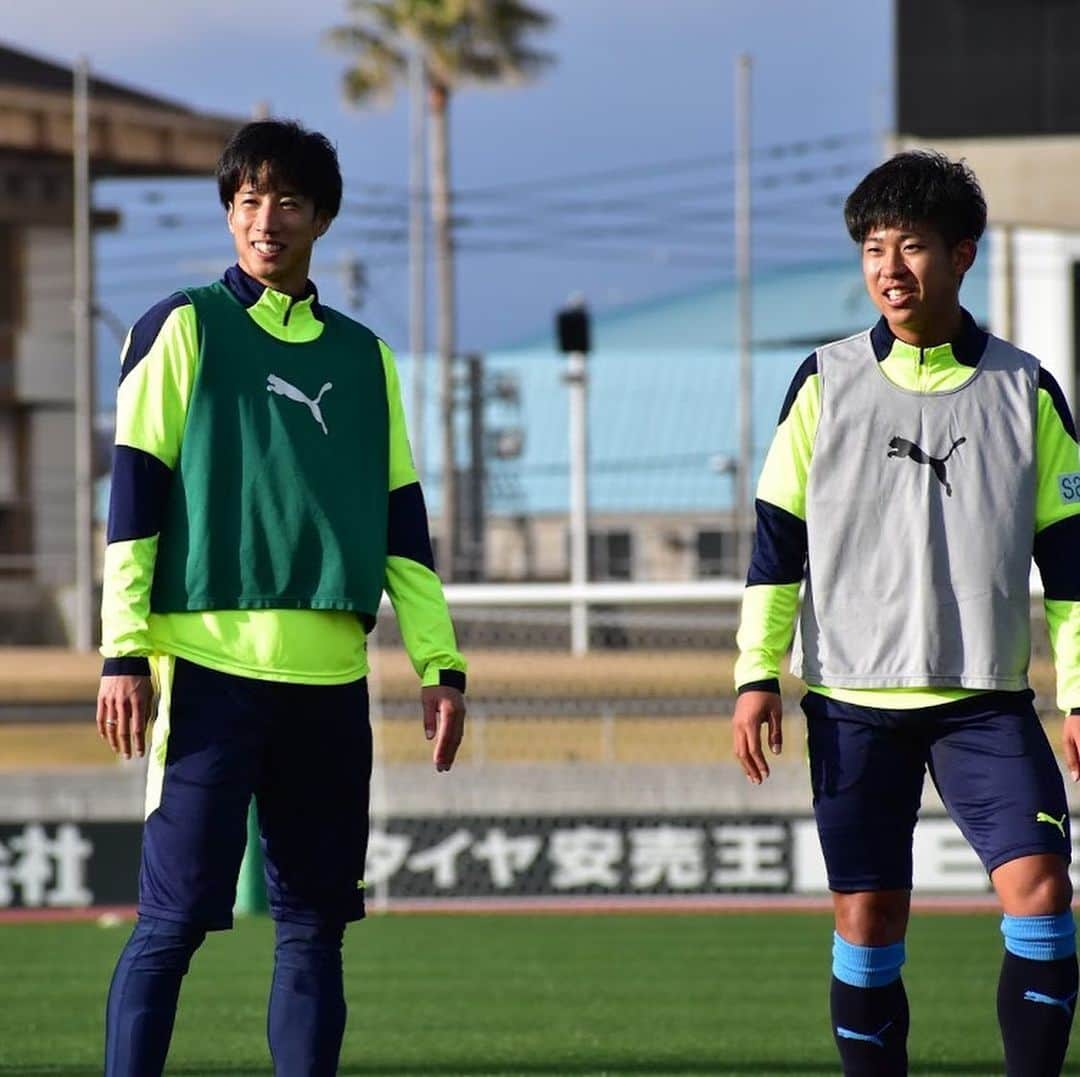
[[303, 751], [988, 756]]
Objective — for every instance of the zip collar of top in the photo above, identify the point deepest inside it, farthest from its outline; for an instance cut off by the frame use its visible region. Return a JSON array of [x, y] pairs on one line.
[[940, 368], [288, 318], [967, 347]]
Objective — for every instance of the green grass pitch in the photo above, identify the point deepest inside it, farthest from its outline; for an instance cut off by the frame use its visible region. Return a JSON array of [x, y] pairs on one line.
[[731, 994]]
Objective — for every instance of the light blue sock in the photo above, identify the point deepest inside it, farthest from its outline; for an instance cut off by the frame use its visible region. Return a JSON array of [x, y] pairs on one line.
[[1040, 938], [866, 966], [869, 1008], [1037, 992]]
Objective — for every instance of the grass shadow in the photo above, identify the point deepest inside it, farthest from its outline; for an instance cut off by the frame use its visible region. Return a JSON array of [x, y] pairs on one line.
[[640, 1068], [593, 1068]]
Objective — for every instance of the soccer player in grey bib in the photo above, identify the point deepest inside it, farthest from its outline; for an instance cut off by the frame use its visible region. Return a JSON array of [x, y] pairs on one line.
[[916, 469]]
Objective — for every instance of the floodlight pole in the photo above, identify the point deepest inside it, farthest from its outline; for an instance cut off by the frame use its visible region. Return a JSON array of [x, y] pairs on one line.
[[573, 333], [577, 380], [84, 363]]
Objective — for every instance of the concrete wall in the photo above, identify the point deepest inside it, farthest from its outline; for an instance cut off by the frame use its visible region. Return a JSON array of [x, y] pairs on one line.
[[512, 789], [9, 460], [45, 382]]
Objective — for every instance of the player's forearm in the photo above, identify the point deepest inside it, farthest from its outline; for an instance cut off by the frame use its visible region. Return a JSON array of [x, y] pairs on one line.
[[424, 620], [766, 627], [125, 605], [771, 599], [140, 486], [1063, 628], [416, 592]]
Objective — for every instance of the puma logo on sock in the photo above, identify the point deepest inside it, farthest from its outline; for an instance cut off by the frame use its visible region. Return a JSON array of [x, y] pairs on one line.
[[900, 447], [280, 386], [1049, 1000], [865, 1037]]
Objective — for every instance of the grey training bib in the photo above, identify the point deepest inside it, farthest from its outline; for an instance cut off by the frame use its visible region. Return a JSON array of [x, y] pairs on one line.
[[920, 516]]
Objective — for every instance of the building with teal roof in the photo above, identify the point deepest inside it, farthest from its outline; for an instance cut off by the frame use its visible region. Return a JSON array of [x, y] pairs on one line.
[[662, 407]]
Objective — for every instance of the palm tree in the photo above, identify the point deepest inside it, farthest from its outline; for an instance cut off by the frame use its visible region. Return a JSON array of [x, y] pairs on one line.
[[460, 43]]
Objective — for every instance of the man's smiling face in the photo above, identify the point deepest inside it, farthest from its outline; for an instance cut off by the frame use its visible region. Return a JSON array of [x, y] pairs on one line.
[[274, 231], [914, 278]]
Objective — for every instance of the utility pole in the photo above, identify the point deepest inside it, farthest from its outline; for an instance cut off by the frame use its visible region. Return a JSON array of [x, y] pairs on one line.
[[84, 362], [441, 214], [475, 553], [417, 254], [572, 326], [744, 514]]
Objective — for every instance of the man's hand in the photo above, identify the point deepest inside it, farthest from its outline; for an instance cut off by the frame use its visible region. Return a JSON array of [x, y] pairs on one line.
[[123, 709], [444, 721], [752, 711], [1070, 742]]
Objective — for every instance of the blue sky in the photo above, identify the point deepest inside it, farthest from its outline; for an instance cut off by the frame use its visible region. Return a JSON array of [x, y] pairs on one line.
[[637, 83]]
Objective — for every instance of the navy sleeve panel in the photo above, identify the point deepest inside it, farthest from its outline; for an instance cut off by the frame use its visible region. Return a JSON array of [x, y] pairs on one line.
[[807, 370], [130, 667], [770, 685], [1061, 405], [452, 678], [1055, 553], [780, 546], [140, 485], [407, 530], [145, 331]]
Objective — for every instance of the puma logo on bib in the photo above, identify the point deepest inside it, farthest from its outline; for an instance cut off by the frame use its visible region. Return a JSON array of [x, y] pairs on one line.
[[901, 447], [274, 384]]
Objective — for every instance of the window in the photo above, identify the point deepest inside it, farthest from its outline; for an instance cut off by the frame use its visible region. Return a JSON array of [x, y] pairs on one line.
[[717, 554], [611, 555]]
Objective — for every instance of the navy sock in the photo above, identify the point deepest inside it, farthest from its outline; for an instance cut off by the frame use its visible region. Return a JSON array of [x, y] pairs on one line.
[[305, 1021], [141, 1009], [869, 1009], [1037, 993]]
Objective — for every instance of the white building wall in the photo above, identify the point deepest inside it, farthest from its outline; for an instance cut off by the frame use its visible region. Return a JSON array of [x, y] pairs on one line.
[[1043, 315]]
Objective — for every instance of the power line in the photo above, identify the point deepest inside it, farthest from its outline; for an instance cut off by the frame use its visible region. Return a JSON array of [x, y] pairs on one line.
[[168, 219], [798, 148], [648, 201], [802, 147], [679, 228]]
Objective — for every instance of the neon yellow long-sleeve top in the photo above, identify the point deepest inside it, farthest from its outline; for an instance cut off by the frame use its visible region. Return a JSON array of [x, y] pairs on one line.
[[160, 364]]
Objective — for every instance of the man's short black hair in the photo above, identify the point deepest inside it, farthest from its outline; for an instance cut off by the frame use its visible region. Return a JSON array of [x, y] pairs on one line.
[[918, 187], [282, 155]]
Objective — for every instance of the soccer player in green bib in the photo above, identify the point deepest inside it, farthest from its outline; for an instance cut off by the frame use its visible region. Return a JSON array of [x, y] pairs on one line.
[[263, 499], [916, 469]]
